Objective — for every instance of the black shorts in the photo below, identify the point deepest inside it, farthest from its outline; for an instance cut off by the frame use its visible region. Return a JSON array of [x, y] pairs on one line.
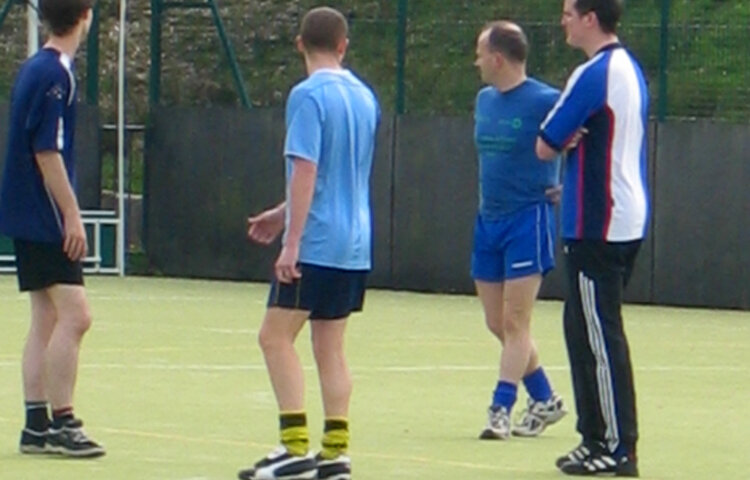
[[40, 265], [327, 293]]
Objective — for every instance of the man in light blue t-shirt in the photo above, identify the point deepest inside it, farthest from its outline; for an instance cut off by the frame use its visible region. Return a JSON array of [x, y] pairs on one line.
[[331, 121], [515, 228]]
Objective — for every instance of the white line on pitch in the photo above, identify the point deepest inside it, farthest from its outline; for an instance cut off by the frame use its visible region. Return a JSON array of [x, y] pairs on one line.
[[387, 369]]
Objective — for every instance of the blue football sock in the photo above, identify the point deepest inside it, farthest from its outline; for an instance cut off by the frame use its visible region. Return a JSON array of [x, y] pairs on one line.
[[538, 385], [505, 395]]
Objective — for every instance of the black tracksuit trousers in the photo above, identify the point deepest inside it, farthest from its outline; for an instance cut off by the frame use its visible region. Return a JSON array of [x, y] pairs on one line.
[[597, 273]]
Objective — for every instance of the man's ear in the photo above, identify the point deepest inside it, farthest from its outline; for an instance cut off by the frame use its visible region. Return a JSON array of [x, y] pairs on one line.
[[342, 47]]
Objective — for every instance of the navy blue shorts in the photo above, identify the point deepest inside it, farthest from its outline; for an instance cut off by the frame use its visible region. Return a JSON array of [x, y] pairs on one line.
[[41, 265], [517, 245], [327, 293]]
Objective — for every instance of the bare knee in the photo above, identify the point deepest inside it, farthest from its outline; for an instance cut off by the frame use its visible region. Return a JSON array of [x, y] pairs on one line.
[[267, 340], [326, 348], [77, 321], [71, 308], [517, 323], [328, 341], [495, 325]]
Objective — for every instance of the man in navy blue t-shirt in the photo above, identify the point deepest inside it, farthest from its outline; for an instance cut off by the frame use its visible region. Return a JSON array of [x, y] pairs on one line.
[[515, 229], [39, 211]]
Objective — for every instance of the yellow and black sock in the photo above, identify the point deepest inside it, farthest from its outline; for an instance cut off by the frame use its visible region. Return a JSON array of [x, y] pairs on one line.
[[294, 434], [335, 437]]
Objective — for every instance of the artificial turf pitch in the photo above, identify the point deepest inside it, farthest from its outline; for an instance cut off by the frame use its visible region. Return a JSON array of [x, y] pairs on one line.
[[172, 382]]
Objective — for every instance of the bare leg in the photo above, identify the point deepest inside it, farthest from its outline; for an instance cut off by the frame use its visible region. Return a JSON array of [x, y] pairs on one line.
[[333, 372], [73, 320], [491, 296], [276, 338], [43, 319], [518, 350]]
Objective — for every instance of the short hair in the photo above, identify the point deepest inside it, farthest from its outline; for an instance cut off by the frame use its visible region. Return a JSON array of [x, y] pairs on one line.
[[607, 11], [508, 39], [61, 16], [323, 28]]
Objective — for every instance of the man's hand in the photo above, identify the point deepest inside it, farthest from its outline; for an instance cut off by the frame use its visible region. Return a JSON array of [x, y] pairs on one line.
[[286, 265], [74, 244], [265, 227], [576, 139], [554, 194]]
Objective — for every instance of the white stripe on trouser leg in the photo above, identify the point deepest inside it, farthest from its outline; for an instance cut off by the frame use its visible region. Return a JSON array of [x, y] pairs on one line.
[[599, 349], [604, 372]]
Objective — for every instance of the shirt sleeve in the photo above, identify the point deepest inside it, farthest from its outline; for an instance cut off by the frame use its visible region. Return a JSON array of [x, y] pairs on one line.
[[45, 120], [584, 94], [304, 134]]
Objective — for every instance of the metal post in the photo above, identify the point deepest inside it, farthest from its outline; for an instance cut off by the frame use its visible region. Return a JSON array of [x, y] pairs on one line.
[[92, 60], [229, 51], [664, 61], [121, 138], [32, 20], [403, 6], [5, 11], [154, 85]]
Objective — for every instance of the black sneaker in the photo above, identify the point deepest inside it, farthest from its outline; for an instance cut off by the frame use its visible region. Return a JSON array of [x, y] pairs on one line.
[[282, 465], [71, 441], [581, 452], [33, 442], [339, 468], [587, 461]]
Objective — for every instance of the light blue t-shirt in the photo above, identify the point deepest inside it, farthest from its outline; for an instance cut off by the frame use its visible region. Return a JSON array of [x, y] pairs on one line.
[[511, 176], [331, 120]]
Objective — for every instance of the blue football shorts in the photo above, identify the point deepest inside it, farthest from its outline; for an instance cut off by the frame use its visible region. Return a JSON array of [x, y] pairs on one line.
[[516, 245]]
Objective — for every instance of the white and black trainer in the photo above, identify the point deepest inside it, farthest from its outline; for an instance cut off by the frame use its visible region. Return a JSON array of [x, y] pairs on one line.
[[281, 465], [33, 442], [600, 463], [339, 468], [538, 415], [71, 441], [579, 453], [498, 424]]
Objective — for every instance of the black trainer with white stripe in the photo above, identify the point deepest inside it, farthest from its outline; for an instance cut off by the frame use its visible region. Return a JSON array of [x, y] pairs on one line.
[[70, 440], [579, 453], [593, 459], [281, 465], [339, 468], [33, 442]]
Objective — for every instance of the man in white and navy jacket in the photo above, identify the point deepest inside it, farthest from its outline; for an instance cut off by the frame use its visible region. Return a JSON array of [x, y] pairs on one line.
[[604, 218]]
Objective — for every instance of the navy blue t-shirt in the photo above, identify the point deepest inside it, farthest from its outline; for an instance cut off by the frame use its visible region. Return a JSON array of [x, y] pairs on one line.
[[511, 176], [42, 119]]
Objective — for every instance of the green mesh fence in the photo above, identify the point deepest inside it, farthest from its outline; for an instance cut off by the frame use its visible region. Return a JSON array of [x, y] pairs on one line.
[[697, 66]]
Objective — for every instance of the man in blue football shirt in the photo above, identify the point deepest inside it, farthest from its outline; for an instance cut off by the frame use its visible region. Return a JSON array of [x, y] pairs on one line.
[[331, 121], [515, 229], [39, 211], [604, 219]]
